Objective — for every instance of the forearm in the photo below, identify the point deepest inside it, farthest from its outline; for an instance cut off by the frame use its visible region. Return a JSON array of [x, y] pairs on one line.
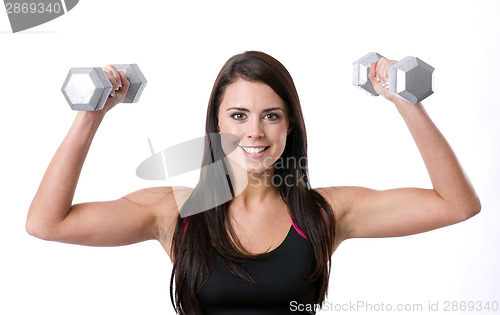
[[448, 179], [54, 197]]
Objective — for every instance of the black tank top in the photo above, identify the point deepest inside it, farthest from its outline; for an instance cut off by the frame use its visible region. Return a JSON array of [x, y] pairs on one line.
[[280, 288]]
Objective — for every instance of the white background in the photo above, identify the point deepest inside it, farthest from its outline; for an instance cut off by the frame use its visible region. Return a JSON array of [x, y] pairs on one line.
[[354, 139]]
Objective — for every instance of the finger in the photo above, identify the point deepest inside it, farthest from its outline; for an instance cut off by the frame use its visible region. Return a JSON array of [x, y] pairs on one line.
[[113, 72], [112, 80], [386, 71], [117, 77], [373, 73], [380, 71], [383, 72], [123, 78], [387, 75], [373, 78], [111, 69], [380, 64], [125, 82]]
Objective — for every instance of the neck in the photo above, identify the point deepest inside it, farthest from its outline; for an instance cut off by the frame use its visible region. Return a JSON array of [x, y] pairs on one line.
[[253, 191], [259, 187]]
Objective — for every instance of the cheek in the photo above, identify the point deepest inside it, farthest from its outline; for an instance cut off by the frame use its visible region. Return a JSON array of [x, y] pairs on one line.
[[225, 127], [284, 136], [279, 135], [221, 124]]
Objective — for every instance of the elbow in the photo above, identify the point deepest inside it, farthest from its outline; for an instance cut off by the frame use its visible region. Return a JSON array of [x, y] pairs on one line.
[[33, 229], [38, 229], [476, 207], [468, 209]]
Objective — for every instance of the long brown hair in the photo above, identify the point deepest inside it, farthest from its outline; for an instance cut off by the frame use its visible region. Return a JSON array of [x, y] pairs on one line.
[[210, 235]]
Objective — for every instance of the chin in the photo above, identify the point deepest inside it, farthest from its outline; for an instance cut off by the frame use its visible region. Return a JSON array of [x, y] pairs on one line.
[[256, 171], [251, 168]]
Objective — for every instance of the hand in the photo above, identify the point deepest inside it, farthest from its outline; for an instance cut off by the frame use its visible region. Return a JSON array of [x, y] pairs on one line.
[[119, 89], [379, 76]]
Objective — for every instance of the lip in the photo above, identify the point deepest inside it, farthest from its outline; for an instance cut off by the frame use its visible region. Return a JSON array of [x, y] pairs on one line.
[[254, 155]]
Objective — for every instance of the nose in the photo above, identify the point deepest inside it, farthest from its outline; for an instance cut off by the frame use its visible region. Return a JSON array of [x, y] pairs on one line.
[[255, 130]]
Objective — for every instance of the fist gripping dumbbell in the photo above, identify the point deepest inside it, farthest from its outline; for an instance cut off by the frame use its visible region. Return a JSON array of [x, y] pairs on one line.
[[89, 88], [410, 79]]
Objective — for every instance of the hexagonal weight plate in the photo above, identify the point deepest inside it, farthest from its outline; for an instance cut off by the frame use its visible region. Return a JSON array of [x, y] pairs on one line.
[[137, 82], [86, 88], [411, 79], [361, 72]]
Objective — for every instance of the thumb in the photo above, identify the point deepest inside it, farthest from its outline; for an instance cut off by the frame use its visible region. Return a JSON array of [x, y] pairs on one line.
[[373, 74]]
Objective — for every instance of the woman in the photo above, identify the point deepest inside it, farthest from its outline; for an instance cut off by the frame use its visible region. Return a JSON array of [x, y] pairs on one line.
[[270, 245]]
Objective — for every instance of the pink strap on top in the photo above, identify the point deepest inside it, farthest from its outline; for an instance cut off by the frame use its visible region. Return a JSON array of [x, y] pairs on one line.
[[298, 230], [293, 223], [184, 231]]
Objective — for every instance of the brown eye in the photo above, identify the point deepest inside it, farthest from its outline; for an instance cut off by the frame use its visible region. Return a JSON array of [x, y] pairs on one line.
[[272, 116], [238, 116]]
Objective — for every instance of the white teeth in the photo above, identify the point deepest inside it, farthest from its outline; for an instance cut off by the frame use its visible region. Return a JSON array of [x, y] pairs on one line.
[[254, 150]]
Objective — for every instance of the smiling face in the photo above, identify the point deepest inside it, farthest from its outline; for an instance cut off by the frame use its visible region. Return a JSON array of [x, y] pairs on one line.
[[258, 117]]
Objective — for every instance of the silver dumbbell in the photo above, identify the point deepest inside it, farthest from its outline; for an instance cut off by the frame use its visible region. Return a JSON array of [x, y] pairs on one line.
[[89, 88], [410, 79]]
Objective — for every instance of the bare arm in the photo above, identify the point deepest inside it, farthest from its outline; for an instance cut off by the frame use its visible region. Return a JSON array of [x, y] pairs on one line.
[[363, 212], [139, 216], [136, 217], [54, 197]]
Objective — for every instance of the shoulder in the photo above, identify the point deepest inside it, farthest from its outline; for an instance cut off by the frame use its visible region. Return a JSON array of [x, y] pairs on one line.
[[334, 196], [163, 201], [165, 204], [340, 199]]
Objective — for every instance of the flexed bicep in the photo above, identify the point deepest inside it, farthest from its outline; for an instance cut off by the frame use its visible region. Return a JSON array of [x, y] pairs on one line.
[[131, 219], [369, 213]]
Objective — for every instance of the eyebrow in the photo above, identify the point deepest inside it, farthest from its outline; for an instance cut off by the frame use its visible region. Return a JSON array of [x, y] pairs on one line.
[[243, 109]]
